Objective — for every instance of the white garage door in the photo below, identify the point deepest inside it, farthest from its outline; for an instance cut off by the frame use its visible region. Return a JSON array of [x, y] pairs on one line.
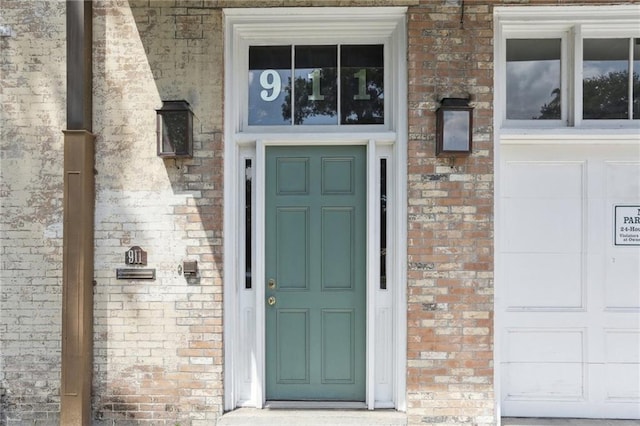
[[568, 280]]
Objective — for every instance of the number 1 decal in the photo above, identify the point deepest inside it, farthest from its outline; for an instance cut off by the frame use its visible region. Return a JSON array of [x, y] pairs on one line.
[[315, 80], [362, 86]]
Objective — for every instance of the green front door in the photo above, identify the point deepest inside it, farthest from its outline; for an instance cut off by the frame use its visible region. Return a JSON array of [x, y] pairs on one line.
[[315, 273]]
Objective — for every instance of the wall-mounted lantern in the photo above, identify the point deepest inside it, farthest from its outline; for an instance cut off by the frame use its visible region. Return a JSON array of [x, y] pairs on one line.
[[175, 130], [454, 127]]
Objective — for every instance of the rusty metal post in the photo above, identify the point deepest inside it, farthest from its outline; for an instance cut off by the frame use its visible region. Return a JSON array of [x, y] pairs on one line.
[[77, 274]]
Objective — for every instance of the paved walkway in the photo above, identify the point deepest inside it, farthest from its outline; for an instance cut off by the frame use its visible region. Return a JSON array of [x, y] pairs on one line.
[[567, 422], [287, 417], [282, 417]]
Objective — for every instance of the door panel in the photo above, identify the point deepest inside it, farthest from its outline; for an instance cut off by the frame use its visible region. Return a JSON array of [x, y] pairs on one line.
[[293, 345], [292, 247], [338, 348], [338, 252], [315, 272]]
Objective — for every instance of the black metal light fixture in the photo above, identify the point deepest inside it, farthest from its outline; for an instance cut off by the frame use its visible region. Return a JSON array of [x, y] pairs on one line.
[[175, 130], [454, 127]]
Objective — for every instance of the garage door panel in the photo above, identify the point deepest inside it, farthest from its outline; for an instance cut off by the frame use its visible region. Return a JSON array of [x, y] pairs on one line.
[[622, 179], [622, 382], [622, 346], [542, 225], [546, 381], [548, 179], [555, 282], [545, 345], [622, 286]]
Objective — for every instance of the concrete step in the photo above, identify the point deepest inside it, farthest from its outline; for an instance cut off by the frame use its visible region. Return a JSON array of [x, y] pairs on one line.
[[311, 417]]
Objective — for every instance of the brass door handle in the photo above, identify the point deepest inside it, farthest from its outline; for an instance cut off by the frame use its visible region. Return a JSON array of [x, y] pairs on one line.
[[271, 300]]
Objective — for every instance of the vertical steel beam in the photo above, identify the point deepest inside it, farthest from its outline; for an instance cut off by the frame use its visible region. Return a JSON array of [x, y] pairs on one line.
[[79, 65], [77, 274]]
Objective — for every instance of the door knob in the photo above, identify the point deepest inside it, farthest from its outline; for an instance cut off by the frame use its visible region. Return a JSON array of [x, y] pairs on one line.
[[271, 300]]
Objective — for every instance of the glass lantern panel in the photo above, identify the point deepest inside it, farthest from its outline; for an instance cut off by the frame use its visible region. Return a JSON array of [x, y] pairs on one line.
[[456, 130], [175, 126]]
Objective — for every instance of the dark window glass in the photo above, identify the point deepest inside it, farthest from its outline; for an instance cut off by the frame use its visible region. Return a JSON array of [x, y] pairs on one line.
[[605, 85], [383, 224], [269, 85], [636, 79], [248, 236], [533, 79], [316, 85], [362, 84]]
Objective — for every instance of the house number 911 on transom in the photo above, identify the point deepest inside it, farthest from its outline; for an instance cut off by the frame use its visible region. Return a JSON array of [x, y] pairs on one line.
[[316, 85], [271, 84]]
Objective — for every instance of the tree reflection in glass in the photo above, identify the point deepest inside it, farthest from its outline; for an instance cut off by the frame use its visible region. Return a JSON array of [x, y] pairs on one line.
[[533, 79], [315, 85], [362, 84], [269, 70], [605, 86]]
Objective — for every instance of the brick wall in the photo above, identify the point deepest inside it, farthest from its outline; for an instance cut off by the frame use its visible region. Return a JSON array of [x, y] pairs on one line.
[[32, 116], [450, 228], [158, 344]]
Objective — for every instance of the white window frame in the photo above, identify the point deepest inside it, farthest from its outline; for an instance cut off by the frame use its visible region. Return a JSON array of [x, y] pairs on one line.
[[572, 24], [244, 312]]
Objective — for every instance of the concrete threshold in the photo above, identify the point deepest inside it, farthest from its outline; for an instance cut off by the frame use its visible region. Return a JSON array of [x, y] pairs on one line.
[[566, 422], [311, 417]]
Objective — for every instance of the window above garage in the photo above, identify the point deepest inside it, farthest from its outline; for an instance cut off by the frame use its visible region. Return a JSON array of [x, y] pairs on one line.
[[560, 67]]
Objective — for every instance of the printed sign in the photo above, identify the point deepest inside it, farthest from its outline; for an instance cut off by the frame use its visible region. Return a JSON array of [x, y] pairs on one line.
[[627, 225]]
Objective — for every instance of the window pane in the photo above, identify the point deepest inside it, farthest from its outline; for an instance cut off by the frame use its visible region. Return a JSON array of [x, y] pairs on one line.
[[316, 85], [362, 84], [248, 238], [383, 224], [269, 85], [636, 79], [533, 79], [605, 79]]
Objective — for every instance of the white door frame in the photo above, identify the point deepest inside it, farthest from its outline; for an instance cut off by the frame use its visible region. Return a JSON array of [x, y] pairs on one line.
[[244, 339]]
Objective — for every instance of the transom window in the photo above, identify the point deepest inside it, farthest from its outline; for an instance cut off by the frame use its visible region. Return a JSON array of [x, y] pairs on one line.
[[533, 79], [610, 80], [580, 69], [316, 85]]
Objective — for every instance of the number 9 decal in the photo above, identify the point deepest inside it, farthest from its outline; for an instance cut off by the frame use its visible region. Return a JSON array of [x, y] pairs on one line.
[[270, 80]]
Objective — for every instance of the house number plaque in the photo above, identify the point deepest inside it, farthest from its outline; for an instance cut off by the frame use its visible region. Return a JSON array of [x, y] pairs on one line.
[[135, 256]]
